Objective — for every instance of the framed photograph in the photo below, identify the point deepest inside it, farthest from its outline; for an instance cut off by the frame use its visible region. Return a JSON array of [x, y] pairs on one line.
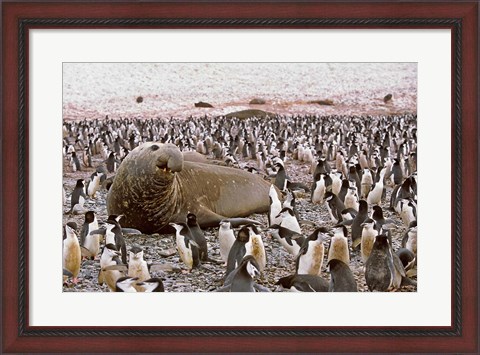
[[88, 86]]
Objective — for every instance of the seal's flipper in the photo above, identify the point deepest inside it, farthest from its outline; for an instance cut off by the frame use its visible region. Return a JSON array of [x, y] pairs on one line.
[[237, 222]]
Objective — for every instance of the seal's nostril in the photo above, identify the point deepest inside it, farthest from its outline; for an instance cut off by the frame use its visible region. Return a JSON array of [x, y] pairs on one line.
[[154, 147]]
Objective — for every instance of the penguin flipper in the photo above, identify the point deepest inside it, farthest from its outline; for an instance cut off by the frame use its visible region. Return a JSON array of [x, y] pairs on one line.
[[346, 222], [131, 231], [237, 221], [356, 243], [85, 252], [303, 286], [117, 267], [398, 265], [260, 288], [123, 249], [406, 281], [101, 231], [101, 278]]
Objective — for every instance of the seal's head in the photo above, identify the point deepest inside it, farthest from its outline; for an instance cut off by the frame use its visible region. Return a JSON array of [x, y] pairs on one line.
[[168, 157]]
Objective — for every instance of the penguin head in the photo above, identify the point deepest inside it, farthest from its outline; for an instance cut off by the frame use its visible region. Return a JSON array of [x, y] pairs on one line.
[[178, 226], [225, 224], [111, 250], [335, 264], [340, 230], [191, 218], [377, 212], [89, 217], [320, 234], [80, 183], [329, 195], [114, 217], [125, 283], [111, 224], [136, 253], [72, 225], [243, 235], [382, 242], [362, 206], [251, 265], [285, 213], [70, 229], [368, 223], [152, 285]]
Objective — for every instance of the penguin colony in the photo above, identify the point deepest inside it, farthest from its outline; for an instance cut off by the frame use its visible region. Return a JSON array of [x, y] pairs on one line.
[[346, 221]]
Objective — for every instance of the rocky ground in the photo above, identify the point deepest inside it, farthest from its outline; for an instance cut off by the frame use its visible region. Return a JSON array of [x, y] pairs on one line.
[[165, 90], [161, 249]]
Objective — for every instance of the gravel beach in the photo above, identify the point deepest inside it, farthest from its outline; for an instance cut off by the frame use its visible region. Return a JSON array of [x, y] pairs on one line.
[[94, 91]]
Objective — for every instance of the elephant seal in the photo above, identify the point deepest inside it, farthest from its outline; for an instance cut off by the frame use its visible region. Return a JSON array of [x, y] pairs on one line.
[[155, 186]]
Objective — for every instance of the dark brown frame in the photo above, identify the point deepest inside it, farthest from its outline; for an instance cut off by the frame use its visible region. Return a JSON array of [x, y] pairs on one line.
[[19, 17]]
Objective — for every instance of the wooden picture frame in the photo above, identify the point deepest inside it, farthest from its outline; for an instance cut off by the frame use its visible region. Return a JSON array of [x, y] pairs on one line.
[[460, 18]]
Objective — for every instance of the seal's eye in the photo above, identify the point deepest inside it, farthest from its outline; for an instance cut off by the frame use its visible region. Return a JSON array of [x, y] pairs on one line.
[[154, 147]]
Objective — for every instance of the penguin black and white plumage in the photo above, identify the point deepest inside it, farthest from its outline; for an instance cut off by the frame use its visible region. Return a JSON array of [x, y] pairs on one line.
[[397, 172], [109, 258], [281, 177], [255, 247], [353, 175], [319, 189], [72, 255], [289, 220], [384, 270], [275, 206], [152, 285], [94, 184], [336, 178], [78, 197], [374, 197], [290, 202], [186, 245], [366, 183], [112, 163], [238, 249], [290, 240], [198, 236], [338, 248], [137, 266], [125, 284], [380, 221], [87, 157], [341, 277], [226, 238], [403, 191], [322, 167], [310, 257], [357, 222], [369, 232], [409, 240], [351, 199], [408, 212], [241, 279], [114, 235], [348, 214], [409, 261], [75, 163], [345, 185], [303, 283], [334, 207], [91, 242]]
